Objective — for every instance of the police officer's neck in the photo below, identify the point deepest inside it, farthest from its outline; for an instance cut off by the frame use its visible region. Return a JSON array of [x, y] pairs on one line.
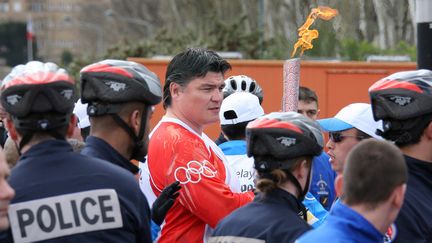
[[34, 141], [421, 150], [118, 139]]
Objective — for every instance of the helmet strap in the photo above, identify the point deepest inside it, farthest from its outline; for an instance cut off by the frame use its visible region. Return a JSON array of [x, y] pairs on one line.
[[138, 143], [301, 192]]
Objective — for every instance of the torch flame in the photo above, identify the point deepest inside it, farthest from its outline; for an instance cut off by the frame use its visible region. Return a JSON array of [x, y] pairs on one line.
[[305, 34]]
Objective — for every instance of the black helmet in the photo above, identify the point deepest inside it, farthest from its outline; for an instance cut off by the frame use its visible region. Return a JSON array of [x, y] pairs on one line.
[[283, 136], [403, 101], [402, 95], [108, 84], [242, 83], [38, 87], [39, 97], [117, 81]]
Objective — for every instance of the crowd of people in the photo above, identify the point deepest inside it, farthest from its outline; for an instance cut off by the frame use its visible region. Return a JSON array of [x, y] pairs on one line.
[[89, 169]]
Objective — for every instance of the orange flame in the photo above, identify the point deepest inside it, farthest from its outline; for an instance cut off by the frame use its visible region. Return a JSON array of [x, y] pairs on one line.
[[305, 34]]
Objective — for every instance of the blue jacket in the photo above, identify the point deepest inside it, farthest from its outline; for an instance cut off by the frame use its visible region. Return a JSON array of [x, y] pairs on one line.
[[343, 225], [414, 222], [322, 183], [62, 196], [273, 218], [316, 212]]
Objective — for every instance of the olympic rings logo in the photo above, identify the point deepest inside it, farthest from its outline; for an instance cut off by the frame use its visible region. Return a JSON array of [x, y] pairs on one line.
[[193, 172]]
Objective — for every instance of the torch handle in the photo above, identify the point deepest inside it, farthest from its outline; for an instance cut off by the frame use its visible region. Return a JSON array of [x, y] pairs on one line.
[[291, 80]]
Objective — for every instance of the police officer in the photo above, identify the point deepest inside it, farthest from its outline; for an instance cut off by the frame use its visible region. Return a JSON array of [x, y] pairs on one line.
[[62, 196], [403, 101], [283, 146], [120, 97]]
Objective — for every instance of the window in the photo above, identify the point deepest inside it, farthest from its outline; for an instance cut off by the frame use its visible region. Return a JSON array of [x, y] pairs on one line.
[[4, 7], [17, 7]]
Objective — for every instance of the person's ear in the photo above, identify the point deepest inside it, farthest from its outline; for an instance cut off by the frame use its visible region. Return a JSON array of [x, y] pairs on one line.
[[302, 170], [339, 185], [318, 113], [135, 121], [399, 195], [175, 90], [10, 127], [72, 125], [428, 131]]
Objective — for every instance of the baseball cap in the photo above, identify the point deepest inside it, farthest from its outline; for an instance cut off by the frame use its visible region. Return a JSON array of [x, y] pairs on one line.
[[356, 115], [240, 107], [80, 110]]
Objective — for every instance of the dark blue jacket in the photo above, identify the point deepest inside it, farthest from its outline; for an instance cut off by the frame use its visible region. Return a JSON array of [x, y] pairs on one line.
[[344, 225], [414, 222], [62, 196], [322, 183], [273, 218], [98, 148]]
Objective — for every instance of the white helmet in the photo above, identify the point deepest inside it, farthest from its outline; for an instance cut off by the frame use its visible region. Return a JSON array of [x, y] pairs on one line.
[[242, 83]]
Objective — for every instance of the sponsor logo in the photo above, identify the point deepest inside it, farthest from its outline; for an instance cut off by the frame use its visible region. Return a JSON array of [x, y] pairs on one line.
[[64, 215], [322, 184], [67, 93], [13, 99], [116, 86], [400, 100], [286, 141], [193, 172]]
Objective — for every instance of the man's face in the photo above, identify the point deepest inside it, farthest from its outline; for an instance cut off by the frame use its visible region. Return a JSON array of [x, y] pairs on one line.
[[309, 109], [6, 192], [338, 150], [198, 103]]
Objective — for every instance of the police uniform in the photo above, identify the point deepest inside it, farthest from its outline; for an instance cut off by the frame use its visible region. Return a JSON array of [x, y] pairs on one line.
[[98, 148], [62, 196], [275, 217], [413, 223]]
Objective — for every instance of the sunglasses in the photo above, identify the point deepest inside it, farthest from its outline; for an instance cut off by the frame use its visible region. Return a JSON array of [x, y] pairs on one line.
[[337, 137]]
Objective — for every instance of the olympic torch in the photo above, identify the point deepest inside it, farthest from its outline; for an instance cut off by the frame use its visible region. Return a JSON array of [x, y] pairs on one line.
[[292, 66]]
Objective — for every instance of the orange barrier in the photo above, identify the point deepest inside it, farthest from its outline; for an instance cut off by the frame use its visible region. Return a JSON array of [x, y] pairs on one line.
[[337, 84]]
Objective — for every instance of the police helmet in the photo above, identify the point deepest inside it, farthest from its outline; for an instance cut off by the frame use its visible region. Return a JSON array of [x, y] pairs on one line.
[[38, 87], [283, 136], [117, 81], [402, 95]]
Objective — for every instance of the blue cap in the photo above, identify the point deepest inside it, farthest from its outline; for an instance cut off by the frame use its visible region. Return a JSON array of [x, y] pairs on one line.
[[333, 125]]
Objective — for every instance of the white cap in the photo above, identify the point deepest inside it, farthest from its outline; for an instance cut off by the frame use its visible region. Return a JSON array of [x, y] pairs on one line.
[[80, 110], [240, 107], [356, 115]]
